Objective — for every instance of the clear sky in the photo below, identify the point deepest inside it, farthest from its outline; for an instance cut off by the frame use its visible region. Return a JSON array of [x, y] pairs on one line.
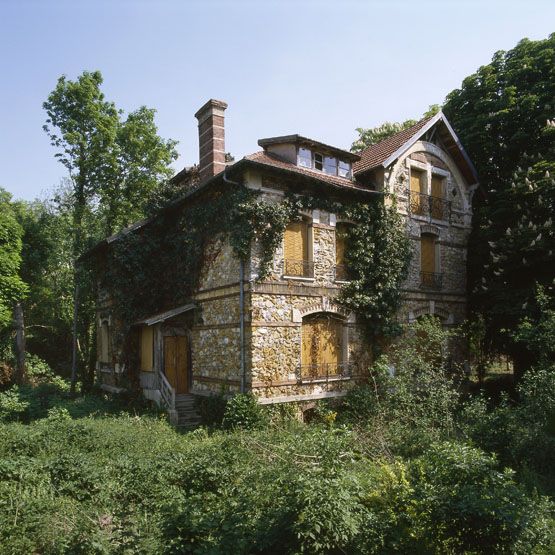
[[318, 68]]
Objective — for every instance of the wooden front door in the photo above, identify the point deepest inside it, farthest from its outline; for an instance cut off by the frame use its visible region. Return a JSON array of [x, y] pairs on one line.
[[176, 362]]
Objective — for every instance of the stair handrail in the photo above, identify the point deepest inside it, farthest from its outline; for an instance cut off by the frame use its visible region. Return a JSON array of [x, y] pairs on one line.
[[167, 392]]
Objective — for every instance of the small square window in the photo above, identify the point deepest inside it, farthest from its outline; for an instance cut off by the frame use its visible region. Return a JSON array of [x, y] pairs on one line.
[[318, 161]]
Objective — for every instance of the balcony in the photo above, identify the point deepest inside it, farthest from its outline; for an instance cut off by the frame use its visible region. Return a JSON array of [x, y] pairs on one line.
[[436, 208], [341, 273], [431, 280], [298, 268], [323, 372]]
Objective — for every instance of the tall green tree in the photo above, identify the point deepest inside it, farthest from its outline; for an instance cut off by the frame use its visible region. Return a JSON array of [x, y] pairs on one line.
[[115, 165], [504, 115], [12, 287]]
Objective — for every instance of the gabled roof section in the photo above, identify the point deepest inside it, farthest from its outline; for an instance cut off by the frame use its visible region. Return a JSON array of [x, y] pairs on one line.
[[311, 143], [384, 153]]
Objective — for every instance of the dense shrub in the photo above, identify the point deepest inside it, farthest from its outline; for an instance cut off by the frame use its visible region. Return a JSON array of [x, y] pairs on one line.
[[211, 409], [133, 485], [243, 411]]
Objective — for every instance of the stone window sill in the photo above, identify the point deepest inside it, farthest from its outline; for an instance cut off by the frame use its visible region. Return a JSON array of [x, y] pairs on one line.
[[325, 380], [299, 278]]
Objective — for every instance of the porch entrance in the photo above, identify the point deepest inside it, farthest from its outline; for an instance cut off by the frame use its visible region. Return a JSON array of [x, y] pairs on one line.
[[176, 362]]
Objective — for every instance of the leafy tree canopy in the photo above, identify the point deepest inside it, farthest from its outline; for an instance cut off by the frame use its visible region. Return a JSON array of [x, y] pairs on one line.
[[503, 115], [12, 287]]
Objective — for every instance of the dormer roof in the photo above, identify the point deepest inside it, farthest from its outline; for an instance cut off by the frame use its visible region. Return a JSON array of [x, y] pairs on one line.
[[309, 143]]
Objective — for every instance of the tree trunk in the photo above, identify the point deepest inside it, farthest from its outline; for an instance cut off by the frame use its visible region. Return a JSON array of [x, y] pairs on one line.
[[20, 371]]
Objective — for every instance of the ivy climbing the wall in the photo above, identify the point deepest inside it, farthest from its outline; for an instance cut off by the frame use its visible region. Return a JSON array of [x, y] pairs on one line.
[[159, 266]]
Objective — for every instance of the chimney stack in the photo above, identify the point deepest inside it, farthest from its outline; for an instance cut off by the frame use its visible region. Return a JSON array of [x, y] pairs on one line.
[[211, 138]]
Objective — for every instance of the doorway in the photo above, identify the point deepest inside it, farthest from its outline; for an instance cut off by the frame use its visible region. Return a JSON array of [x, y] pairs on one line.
[[176, 362]]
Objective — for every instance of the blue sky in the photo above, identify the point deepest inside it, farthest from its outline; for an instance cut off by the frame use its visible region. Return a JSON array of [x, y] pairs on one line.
[[316, 68]]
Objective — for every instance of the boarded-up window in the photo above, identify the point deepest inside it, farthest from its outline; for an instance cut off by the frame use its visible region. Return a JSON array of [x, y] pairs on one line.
[[147, 349], [296, 251], [417, 189], [104, 342], [322, 346], [437, 197], [428, 253], [417, 181]]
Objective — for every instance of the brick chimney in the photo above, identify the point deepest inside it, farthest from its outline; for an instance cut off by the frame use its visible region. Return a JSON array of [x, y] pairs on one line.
[[211, 138]]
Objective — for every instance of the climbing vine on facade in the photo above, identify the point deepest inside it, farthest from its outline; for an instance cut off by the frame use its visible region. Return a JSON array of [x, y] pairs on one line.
[[159, 266]]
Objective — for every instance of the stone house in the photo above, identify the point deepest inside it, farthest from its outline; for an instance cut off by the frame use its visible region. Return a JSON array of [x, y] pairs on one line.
[[282, 337]]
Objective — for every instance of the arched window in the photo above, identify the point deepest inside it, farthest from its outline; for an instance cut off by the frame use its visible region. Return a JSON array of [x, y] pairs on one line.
[[297, 250], [322, 346]]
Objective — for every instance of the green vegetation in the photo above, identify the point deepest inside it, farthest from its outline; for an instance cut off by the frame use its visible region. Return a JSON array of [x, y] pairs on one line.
[[407, 464]]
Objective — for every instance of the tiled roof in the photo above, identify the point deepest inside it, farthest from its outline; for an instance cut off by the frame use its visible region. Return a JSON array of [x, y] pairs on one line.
[[375, 155], [268, 159]]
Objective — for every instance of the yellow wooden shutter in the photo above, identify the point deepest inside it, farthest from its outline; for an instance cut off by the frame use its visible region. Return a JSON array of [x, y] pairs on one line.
[[437, 186], [296, 247], [437, 195], [428, 253], [417, 183], [147, 346], [330, 344]]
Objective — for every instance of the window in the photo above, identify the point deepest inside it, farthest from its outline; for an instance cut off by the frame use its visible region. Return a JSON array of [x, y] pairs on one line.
[[327, 164], [343, 169], [147, 349], [296, 250], [318, 161], [104, 342], [437, 197], [322, 346], [305, 158], [330, 165], [429, 267], [418, 188]]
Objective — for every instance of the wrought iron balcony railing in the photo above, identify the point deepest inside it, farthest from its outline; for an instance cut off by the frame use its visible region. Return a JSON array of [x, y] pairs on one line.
[[431, 280], [341, 273], [432, 207], [324, 371], [298, 268]]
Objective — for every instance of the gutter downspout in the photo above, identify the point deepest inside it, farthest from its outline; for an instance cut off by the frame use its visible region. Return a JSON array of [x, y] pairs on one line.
[[241, 307]]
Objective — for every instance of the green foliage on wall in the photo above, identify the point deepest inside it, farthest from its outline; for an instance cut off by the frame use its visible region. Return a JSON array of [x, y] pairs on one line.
[[158, 267]]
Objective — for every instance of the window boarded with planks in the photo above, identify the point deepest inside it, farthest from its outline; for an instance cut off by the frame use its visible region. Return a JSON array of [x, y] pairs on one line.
[[428, 254], [437, 195], [322, 346], [296, 252], [147, 349]]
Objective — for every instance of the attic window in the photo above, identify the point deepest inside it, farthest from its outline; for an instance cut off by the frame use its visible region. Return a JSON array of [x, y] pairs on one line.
[[305, 158], [327, 164], [318, 162]]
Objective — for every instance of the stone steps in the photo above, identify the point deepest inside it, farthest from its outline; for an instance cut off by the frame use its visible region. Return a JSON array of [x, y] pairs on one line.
[[187, 415]]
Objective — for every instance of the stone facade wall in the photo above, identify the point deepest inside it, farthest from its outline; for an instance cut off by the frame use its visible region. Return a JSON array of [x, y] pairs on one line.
[[452, 232]]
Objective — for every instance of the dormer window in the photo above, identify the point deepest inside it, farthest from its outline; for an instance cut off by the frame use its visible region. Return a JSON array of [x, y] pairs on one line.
[[318, 162], [343, 169], [328, 164], [305, 158]]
